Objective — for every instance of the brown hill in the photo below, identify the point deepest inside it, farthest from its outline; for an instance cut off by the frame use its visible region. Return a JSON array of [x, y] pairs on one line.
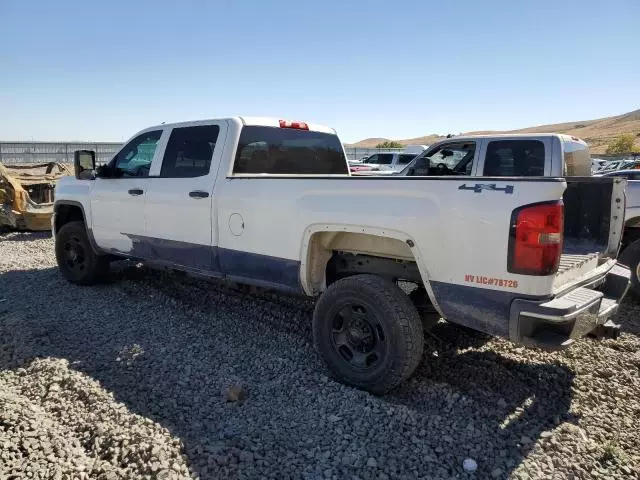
[[597, 133]]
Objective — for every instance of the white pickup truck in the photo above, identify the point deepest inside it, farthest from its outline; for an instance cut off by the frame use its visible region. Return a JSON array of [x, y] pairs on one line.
[[271, 203]]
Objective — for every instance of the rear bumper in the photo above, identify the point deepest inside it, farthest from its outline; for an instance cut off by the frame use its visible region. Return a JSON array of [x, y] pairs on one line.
[[555, 324]]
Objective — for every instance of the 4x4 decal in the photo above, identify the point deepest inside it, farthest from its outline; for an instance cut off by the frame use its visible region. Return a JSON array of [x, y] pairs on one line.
[[479, 187]]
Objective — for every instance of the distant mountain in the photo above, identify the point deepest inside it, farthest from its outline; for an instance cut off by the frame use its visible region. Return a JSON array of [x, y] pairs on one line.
[[597, 133]]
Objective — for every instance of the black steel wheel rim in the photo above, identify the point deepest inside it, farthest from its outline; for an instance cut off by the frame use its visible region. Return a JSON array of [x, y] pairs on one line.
[[358, 338], [74, 254]]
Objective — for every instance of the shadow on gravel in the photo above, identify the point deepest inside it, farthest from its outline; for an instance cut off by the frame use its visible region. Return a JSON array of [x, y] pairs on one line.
[[514, 402], [486, 395], [630, 312], [149, 361], [21, 236]]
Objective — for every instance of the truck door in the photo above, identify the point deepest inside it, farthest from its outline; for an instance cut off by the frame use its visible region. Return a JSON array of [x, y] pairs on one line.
[[180, 207], [117, 200]]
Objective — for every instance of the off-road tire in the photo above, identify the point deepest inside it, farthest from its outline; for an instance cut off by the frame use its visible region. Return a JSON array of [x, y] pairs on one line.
[[390, 309], [95, 267]]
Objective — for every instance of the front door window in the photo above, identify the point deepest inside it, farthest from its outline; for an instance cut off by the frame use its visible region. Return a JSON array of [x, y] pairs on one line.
[[134, 160]]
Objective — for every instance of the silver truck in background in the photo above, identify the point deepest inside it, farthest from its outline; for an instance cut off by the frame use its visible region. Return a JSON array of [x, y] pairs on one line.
[[630, 247]]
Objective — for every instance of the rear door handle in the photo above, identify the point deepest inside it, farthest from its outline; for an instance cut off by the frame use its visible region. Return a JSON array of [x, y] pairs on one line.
[[136, 191], [198, 194]]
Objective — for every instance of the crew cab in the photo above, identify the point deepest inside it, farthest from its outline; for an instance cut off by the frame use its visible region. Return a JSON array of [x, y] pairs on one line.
[[271, 203]]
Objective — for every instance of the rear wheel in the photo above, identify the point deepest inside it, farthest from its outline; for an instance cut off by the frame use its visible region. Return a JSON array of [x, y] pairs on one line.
[[76, 258], [368, 332], [630, 257]]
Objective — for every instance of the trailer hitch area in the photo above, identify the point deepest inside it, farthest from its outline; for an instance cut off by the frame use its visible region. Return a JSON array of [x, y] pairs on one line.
[[606, 330]]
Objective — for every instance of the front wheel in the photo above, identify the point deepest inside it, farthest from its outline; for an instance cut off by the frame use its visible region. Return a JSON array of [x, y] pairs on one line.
[[368, 332], [77, 261]]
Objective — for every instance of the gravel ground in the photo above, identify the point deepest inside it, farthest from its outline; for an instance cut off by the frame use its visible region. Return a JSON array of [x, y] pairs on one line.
[[162, 376]]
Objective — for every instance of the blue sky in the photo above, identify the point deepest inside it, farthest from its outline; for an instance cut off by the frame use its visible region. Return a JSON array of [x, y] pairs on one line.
[[101, 70]]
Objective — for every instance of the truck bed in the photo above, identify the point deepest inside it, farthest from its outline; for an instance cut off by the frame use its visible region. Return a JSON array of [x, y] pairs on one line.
[[578, 257], [570, 261], [588, 217]]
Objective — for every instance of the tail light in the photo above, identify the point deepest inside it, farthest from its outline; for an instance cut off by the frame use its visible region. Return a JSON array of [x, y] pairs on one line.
[[296, 125], [535, 242]]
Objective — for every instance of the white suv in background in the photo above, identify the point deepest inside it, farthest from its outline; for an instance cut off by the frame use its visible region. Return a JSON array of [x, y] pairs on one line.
[[390, 162]]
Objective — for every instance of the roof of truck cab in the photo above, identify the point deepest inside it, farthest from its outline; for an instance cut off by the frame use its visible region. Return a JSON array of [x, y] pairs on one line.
[[506, 136], [512, 135], [247, 121]]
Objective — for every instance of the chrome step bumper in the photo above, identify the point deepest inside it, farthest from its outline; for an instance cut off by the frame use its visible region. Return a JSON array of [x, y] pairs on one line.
[[556, 323]]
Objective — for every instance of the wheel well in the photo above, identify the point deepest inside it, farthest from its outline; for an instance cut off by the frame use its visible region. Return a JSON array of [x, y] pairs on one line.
[[335, 255], [67, 213]]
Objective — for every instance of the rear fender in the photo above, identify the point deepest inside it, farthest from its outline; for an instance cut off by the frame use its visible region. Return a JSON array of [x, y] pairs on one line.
[[392, 244]]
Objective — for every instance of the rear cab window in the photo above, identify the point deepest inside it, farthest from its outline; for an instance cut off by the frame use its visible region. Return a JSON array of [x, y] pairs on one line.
[[288, 151], [514, 158]]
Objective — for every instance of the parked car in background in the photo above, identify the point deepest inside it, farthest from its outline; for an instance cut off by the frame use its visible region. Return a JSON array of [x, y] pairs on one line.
[[391, 162], [503, 155], [360, 167], [619, 165], [597, 164], [632, 174], [417, 149]]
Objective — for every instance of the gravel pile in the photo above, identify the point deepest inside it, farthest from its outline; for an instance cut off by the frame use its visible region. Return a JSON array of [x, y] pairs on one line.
[[162, 376]]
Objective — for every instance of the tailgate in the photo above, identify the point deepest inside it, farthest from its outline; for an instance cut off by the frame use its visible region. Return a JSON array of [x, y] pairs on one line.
[[593, 225]]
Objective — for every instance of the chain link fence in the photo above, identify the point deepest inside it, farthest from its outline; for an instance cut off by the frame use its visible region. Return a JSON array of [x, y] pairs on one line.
[[42, 152]]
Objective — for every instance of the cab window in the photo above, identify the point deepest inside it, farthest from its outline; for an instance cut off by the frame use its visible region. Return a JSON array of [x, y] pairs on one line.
[[189, 151], [514, 158], [288, 151], [134, 160], [448, 159]]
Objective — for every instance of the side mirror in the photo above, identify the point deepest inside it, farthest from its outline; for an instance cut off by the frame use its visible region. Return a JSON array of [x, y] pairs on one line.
[[84, 163]]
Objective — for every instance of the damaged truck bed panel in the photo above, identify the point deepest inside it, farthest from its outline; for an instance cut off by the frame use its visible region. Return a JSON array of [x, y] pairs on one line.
[[27, 194]]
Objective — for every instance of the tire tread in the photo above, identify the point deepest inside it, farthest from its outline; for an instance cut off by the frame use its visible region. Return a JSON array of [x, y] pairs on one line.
[[404, 313], [99, 263]]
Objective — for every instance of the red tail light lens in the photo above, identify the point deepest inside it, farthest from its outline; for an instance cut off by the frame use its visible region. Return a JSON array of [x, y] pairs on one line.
[[535, 242], [296, 125]]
